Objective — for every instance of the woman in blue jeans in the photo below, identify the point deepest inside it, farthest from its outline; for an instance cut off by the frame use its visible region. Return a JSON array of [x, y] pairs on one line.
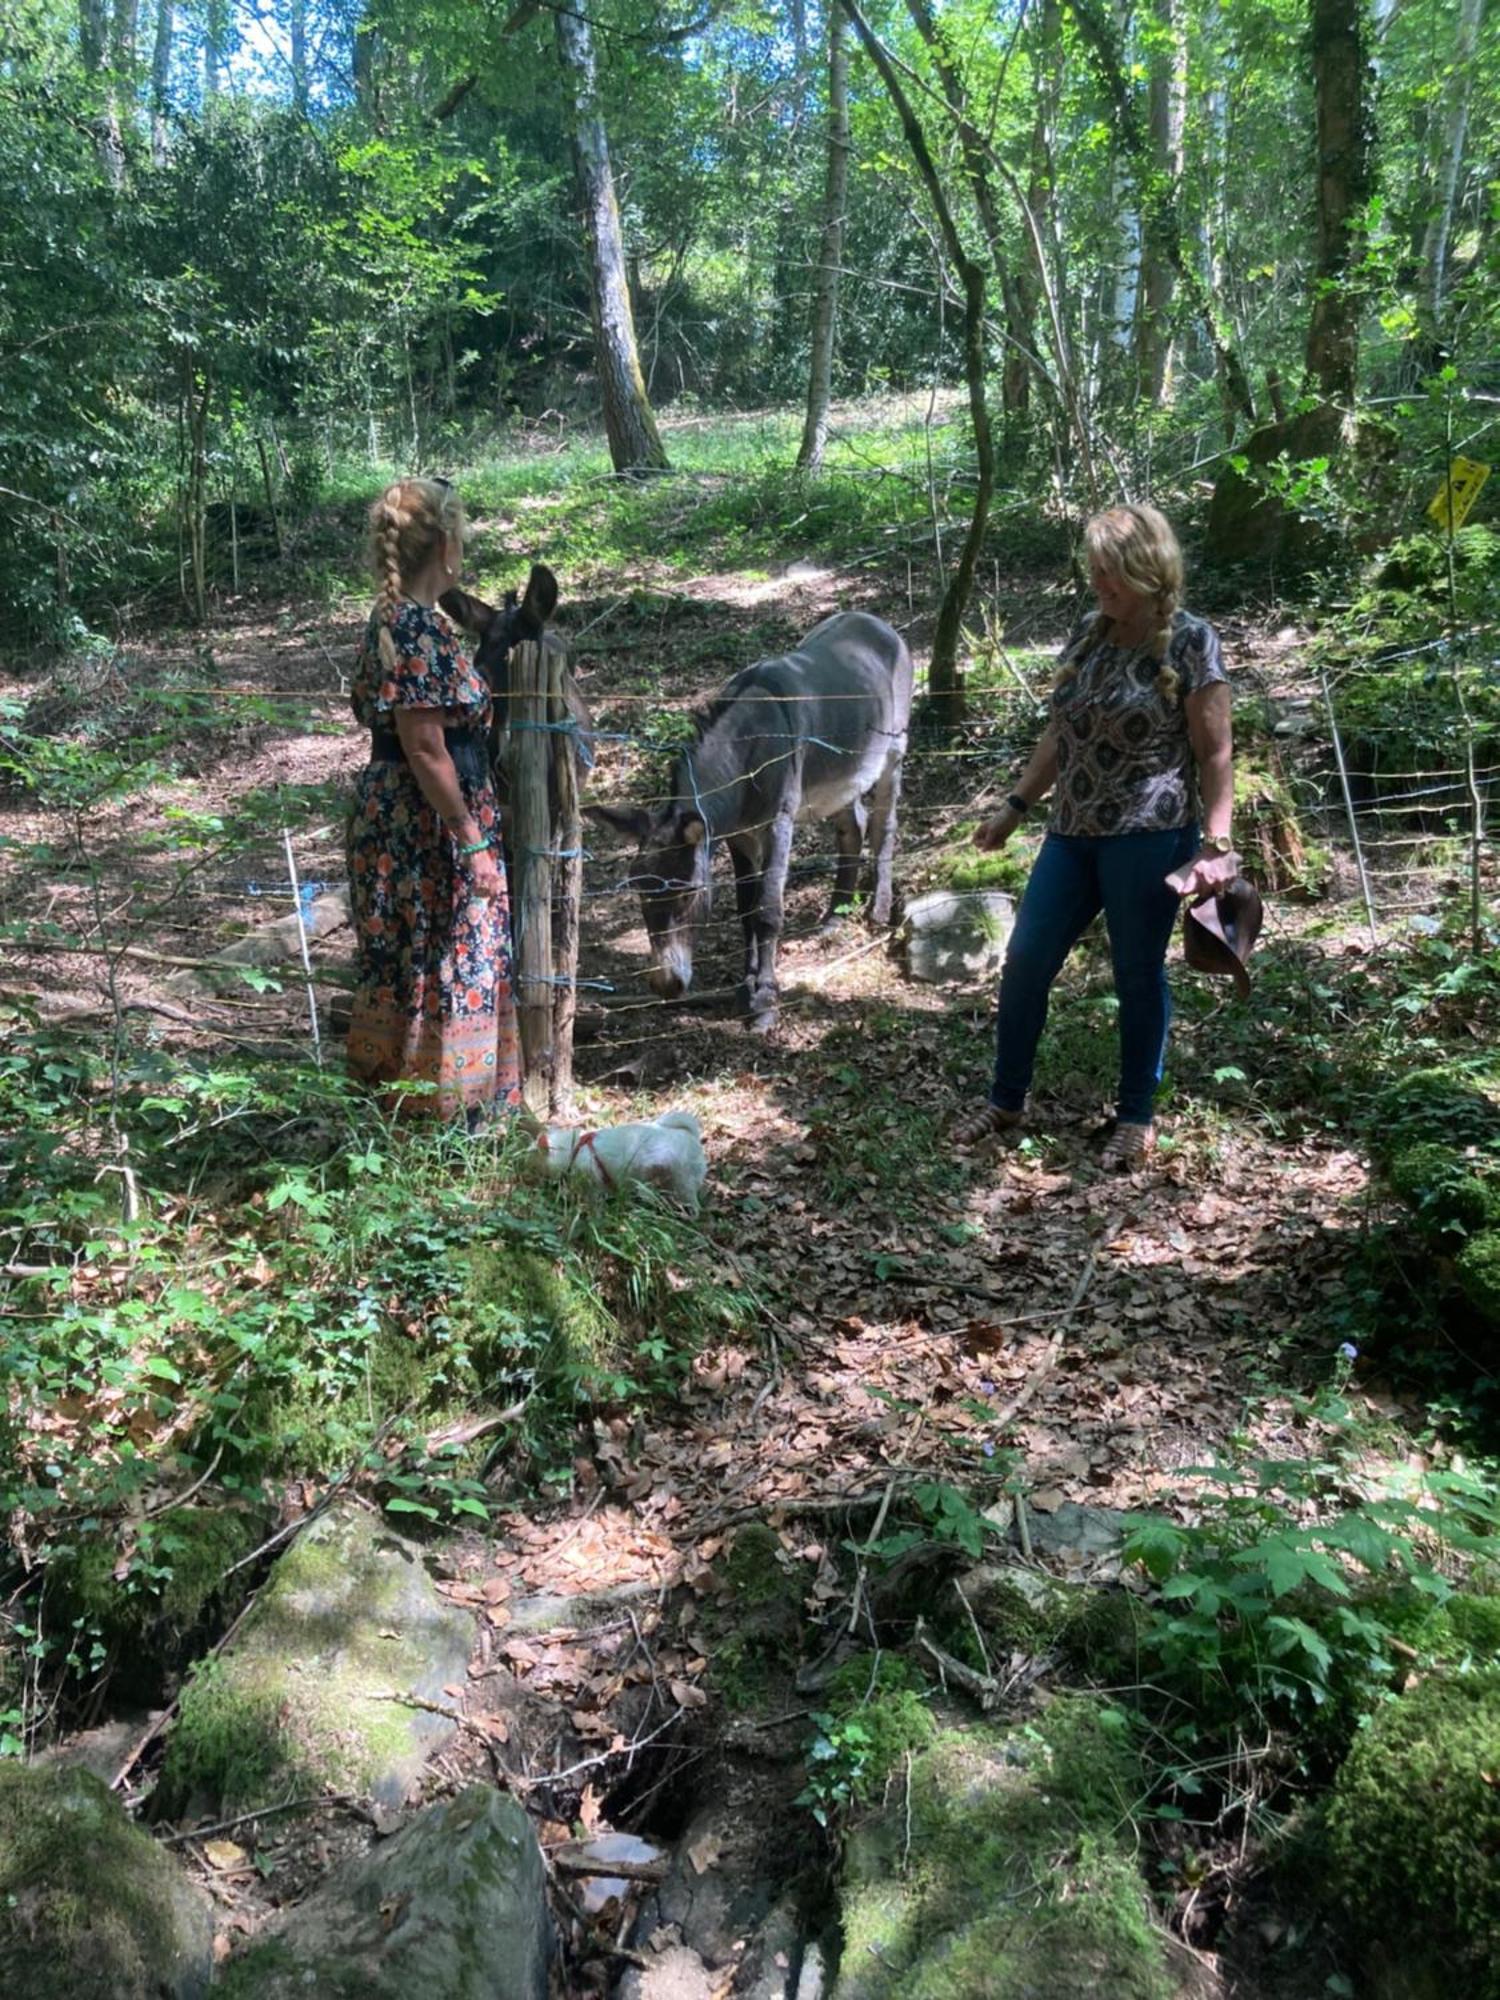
[[1137, 754]]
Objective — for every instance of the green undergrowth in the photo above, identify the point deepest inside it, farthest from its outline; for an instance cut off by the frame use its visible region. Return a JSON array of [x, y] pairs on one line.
[[874, 1715], [306, 1293], [732, 499]]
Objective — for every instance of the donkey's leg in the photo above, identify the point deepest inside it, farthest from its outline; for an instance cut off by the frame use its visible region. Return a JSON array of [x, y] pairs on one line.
[[747, 891], [771, 915], [884, 798], [849, 835]]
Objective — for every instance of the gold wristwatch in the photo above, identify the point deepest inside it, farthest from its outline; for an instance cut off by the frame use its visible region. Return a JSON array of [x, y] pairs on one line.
[[1217, 843]]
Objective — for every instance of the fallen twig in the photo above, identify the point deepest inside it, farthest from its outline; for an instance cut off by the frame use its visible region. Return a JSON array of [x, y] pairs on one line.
[[1002, 1418], [985, 1689], [627, 1871], [342, 1799], [596, 1937]]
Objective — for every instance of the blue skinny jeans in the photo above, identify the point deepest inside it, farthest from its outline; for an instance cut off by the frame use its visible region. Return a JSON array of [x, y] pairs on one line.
[[1075, 877]]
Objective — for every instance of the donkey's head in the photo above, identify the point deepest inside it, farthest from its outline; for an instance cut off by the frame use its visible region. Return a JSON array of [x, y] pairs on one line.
[[518, 620], [672, 871]]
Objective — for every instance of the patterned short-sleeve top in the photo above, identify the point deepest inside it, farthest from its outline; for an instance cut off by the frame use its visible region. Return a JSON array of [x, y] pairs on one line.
[[432, 671], [1125, 763]]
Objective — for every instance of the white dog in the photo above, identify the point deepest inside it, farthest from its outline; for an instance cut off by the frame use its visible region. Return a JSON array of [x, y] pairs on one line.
[[666, 1154]]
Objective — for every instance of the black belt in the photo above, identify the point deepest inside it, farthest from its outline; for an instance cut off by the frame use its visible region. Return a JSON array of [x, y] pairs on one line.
[[467, 748]]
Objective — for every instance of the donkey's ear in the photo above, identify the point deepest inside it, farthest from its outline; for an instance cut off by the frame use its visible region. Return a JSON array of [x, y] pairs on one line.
[[540, 601], [634, 820], [472, 614]]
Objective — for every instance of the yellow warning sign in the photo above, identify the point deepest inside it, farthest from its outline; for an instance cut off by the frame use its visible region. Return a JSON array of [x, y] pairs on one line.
[[1460, 490]]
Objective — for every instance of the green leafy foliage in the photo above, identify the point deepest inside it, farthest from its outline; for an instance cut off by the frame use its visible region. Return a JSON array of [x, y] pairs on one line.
[[1278, 1602], [875, 1716]]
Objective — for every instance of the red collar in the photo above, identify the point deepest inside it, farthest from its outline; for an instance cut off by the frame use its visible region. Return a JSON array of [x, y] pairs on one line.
[[583, 1142]]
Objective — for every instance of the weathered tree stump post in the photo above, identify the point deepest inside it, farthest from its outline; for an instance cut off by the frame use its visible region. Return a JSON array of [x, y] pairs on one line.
[[567, 831], [531, 850]]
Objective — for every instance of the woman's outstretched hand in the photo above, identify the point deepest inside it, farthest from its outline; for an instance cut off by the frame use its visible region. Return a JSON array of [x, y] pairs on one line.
[[993, 833], [1204, 874]]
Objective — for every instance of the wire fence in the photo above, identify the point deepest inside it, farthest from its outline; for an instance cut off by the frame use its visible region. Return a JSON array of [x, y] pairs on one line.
[[1401, 797]]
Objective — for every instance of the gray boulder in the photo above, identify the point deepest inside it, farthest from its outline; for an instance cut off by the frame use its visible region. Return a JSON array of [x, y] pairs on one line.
[[90, 1907], [281, 940], [955, 935], [314, 1693], [452, 1908]]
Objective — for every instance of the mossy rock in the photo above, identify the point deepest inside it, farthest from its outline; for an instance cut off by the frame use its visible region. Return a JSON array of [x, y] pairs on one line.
[[1413, 1832], [308, 1697], [967, 868], [1461, 1631], [1004, 1872], [452, 1908], [1023, 1610], [179, 1577], [874, 1714], [1478, 1270], [90, 1906], [1451, 1200]]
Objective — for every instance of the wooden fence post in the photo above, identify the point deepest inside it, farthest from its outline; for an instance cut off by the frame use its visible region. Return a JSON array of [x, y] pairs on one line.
[[531, 852], [567, 836]]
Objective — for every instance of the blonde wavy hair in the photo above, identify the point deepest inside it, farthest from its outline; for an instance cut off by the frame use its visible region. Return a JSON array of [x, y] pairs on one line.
[[407, 523], [1137, 545]]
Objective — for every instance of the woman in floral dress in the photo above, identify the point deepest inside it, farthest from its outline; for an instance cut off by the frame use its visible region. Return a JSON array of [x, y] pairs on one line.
[[434, 1004]]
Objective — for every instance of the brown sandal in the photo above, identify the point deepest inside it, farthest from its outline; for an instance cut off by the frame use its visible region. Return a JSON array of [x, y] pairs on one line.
[[1128, 1147], [985, 1122]]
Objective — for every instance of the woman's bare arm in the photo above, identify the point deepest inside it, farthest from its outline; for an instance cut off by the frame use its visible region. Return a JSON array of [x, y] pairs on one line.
[[1034, 783], [421, 734]]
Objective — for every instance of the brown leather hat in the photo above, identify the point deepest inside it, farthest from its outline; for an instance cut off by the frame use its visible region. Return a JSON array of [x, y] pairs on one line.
[[1219, 932]]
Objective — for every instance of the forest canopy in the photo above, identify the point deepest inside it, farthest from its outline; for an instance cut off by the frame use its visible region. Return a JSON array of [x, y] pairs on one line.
[[245, 245]]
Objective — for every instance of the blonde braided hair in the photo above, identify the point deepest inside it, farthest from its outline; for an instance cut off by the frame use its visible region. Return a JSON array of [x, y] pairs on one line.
[[1137, 545], [407, 523]]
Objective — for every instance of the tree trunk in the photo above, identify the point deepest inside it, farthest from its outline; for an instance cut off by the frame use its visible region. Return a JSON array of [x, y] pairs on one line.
[[944, 675], [1160, 219], [123, 33], [830, 250], [299, 55], [1031, 277], [1166, 106], [634, 444], [1340, 65], [96, 46], [1455, 125], [215, 35], [161, 69]]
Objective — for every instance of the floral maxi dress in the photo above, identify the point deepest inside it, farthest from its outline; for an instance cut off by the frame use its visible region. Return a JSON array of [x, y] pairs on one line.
[[434, 1002]]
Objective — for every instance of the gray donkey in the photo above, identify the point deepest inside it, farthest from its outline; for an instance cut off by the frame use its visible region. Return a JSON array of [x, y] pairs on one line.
[[816, 733]]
